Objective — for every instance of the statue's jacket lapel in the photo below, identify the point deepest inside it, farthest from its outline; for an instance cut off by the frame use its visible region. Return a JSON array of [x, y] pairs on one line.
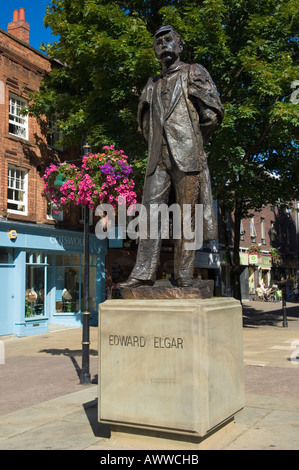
[[179, 125]]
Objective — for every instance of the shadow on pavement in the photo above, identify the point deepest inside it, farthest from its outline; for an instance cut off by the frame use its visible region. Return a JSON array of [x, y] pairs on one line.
[[265, 314], [71, 353], [98, 429]]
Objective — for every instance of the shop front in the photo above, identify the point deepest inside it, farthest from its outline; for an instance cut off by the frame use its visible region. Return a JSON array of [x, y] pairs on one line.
[[207, 266], [260, 272], [42, 275], [226, 281]]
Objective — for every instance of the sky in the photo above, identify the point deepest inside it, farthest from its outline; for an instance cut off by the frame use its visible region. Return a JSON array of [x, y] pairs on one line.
[[35, 11]]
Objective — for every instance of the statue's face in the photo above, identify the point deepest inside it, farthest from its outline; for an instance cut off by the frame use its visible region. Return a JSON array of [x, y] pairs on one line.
[[167, 46]]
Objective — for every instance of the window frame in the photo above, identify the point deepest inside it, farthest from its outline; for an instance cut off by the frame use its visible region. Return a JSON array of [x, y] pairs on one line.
[[252, 230], [263, 239], [25, 191], [58, 217], [82, 215], [53, 133], [14, 122], [36, 259], [242, 231]]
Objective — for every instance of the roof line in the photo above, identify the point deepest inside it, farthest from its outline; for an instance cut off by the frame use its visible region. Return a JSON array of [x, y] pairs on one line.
[[23, 43]]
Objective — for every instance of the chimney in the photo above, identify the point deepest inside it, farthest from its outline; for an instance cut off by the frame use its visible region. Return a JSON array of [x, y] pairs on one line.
[[19, 27], [15, 15]]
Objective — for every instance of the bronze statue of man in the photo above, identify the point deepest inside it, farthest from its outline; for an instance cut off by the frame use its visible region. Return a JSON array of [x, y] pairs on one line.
[[178, 111]]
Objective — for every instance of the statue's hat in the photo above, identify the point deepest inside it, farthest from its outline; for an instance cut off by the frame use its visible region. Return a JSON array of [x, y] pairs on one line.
[[166, 29]]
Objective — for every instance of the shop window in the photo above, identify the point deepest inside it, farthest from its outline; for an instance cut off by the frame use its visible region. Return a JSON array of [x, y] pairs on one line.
[[6, 255], [36, 274], [18, 122], [82, 216], [17, 184], [69, 283], [59, 260], [67, 259], [52, 214], [68, 289], [36, 257], [76, 259], [35, 291]]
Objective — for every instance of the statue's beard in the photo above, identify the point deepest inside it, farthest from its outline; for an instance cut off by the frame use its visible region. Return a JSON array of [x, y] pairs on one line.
[[167, 56]]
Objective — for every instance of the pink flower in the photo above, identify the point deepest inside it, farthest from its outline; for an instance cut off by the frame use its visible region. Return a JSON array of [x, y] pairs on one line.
[[87, 184]]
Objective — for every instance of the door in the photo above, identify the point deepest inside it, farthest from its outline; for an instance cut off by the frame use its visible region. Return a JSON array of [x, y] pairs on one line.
[[6, 300]]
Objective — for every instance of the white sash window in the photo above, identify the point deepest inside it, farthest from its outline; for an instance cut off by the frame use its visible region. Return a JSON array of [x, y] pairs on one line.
[[18, 122], [17, 188]]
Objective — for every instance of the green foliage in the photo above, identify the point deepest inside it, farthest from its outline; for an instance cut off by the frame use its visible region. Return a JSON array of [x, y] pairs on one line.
[[251, 50], [249, 47], [107, 56]]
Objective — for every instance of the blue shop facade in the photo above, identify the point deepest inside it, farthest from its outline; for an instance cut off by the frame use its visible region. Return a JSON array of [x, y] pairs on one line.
[[42, 276]]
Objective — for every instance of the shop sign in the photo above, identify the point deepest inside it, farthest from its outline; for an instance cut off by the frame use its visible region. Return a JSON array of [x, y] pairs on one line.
[[12, 234], [266, 260], [253, 259], [243, 259], [73, 243], [242, 256], [259, 260], [68, 242]]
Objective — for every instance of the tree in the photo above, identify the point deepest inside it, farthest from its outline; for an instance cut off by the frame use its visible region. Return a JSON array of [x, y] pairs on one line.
[[251, 50], [249, 47], [100, 62]]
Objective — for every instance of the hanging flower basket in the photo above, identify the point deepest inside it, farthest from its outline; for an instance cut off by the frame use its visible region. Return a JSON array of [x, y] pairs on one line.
[[255, 250], [101, 178], [275, 256]]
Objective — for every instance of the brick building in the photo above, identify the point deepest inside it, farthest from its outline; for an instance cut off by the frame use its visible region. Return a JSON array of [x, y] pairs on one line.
[[41, 259], [271, 228], [22, 69]]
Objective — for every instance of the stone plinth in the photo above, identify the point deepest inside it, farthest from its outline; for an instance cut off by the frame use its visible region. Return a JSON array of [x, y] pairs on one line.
[[170, 365]]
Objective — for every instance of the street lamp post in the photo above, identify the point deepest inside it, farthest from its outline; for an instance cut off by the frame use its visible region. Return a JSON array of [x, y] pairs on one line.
[[284, 308], [85, 374], [283, 288]]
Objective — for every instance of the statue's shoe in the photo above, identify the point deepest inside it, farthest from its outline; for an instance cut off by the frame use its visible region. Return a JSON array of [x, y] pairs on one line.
[[185, 282], [132, 282]]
